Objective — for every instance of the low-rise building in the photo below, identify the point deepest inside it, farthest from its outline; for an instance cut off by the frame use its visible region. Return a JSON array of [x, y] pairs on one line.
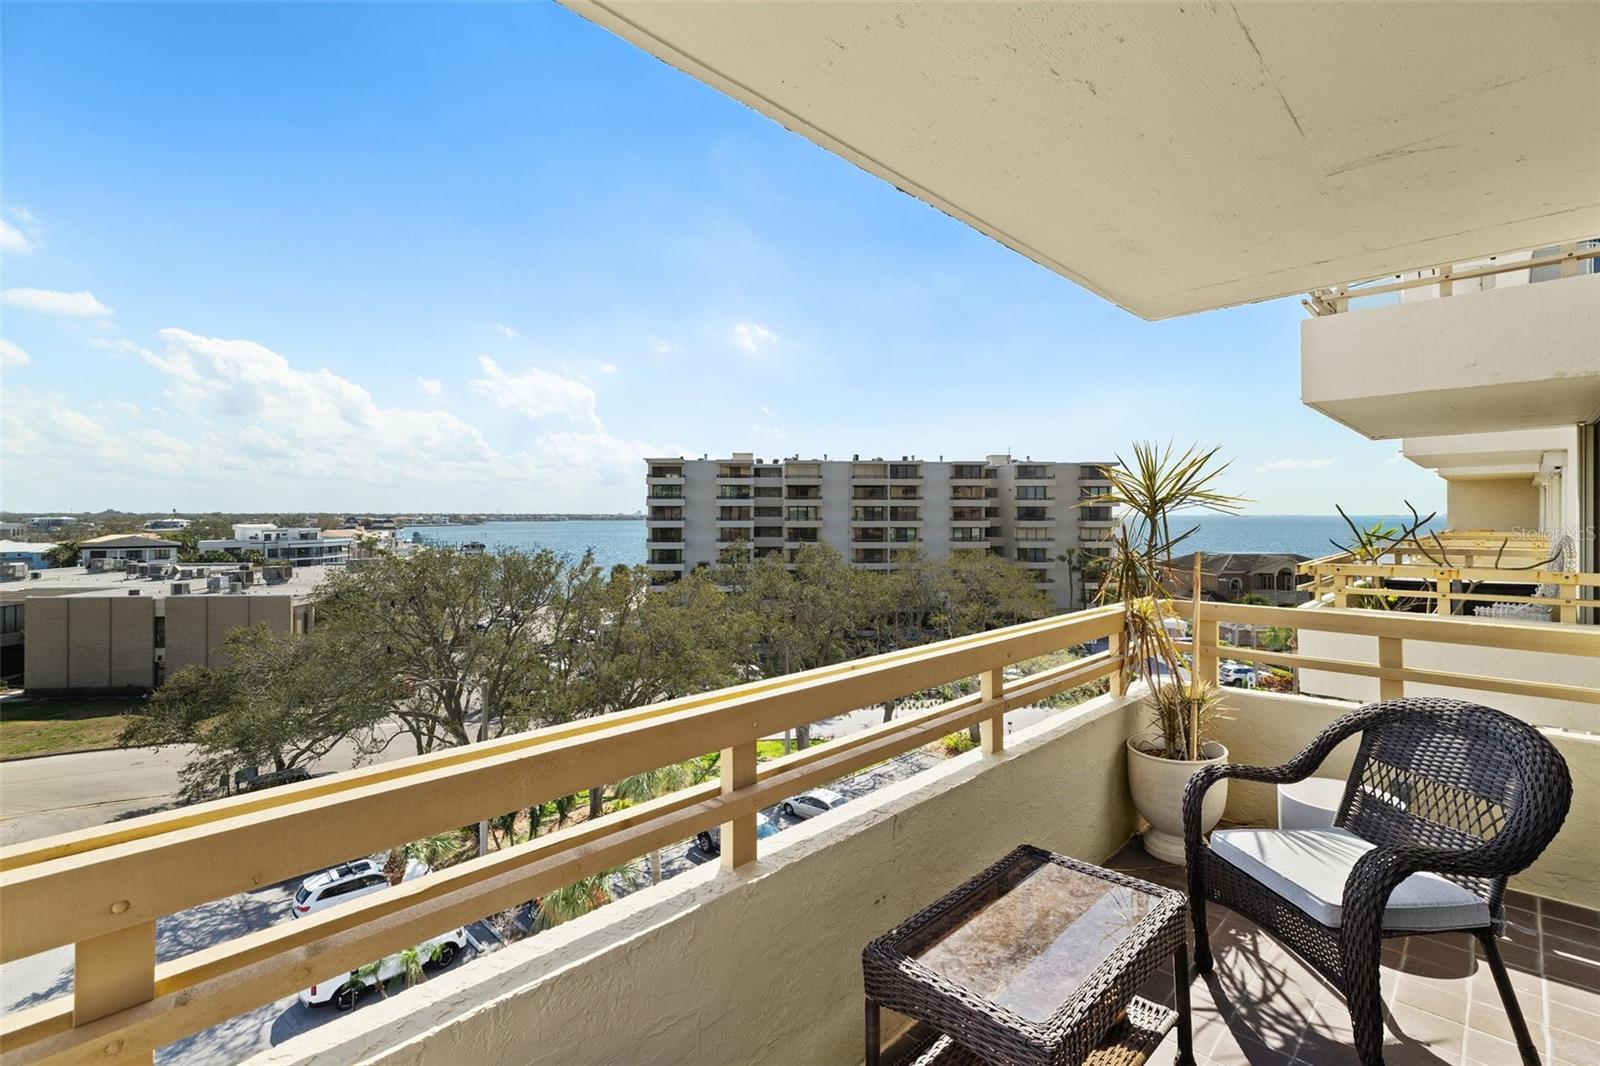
[[26, 551], [86, 632], [297, 545], [172, 522], [130, 547], [1234, 577]]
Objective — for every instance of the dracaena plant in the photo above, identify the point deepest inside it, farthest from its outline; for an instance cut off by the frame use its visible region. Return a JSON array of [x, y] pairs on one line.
[[1151, 490]]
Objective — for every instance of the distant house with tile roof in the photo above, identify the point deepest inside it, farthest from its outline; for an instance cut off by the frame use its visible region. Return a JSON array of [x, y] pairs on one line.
[[1231, 576], [134, 547]]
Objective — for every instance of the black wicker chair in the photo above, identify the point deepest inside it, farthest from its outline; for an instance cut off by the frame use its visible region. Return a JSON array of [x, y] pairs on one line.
[[1439, 787]]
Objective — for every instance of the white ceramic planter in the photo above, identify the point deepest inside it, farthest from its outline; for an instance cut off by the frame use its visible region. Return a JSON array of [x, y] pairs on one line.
[[1157, 785]]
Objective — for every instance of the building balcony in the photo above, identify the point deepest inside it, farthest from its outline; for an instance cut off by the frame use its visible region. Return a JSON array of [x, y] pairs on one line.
[[664, 479], [1430, 367], [727, 932], [959, 545], [674, 567]]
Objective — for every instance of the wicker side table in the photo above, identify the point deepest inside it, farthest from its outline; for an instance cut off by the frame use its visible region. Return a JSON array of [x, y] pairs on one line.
[[1035, 962]]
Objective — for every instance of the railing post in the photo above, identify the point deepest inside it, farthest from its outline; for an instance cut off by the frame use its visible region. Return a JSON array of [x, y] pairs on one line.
[[992, 730], [112, 973], [1391, 657], [1567, 610], [1442, 603], [1446, 287], [738, 766], [1340, 597], [1569, 261], [1207, 637], [1117, 645]]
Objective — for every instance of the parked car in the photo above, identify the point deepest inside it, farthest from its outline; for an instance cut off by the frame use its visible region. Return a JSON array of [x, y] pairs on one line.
[[343, 991], [1238, 675], [350, 880], [810, 804], [710, 840]]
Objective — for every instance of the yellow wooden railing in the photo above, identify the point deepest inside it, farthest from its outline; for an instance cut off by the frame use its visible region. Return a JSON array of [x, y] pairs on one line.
[[102, 890], [1392, 631]]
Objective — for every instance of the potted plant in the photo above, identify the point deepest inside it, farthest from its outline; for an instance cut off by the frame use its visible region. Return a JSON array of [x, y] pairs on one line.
[[1149, 491]]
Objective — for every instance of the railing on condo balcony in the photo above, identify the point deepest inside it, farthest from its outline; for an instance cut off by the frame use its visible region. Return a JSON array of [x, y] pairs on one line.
[[1392, 630], [1450, 572], [1561, 261], [103, 889]]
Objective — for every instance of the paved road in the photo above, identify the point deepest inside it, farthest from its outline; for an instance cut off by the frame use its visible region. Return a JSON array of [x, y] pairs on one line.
[[61, 793]]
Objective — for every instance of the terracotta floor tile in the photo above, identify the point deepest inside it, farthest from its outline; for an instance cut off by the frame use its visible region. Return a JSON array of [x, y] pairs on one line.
[[1485, 1050], [1491, 1019], [1447, 999], [1571, 1050], [1572, 1020], [1572, 997], [1570, 971]]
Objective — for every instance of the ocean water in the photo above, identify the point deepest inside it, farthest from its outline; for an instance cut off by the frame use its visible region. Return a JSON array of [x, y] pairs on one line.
[[613, 542], [622, 541]]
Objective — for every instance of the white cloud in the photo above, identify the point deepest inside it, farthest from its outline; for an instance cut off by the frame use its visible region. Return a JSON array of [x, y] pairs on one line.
[[766, 410], [505, 331], [754, 337], [13, 240], [606, 368], [1396, 457], [242, 428], [431, 386], [12, 355], [535, 393], [50, 302], [1280, 465], [663, 347]]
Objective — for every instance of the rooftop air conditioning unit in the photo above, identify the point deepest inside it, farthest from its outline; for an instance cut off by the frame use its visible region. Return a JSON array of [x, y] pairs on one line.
[[133, 592], [214, 583], [179, 588]]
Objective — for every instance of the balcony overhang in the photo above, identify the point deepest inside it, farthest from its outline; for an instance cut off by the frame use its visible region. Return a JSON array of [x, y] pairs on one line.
[[1523, 357], [1176, 158]]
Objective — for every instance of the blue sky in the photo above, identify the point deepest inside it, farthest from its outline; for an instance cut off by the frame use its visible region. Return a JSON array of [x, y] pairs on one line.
[[486, 257]]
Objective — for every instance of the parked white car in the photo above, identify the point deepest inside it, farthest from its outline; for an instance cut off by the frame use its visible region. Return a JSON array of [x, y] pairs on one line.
[[1237, 675], [344, 990], [810, 804], [710, 840], [350, 880]]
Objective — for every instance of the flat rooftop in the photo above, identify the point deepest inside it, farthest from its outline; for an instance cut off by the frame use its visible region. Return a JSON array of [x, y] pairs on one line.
[[77, 581]]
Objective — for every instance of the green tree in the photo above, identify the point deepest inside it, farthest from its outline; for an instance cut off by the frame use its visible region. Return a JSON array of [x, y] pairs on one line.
[[64, 553], [574, 900], [277, 700]]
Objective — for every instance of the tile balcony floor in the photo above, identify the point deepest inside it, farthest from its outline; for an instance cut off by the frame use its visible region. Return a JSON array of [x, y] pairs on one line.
[[1263, 1007]]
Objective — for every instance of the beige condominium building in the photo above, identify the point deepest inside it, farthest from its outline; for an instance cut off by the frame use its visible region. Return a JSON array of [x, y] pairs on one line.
[[1036, 513]]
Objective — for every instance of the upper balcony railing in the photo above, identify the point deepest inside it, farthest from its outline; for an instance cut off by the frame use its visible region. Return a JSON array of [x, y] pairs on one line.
[[1456, 571], [1563, 261], [103, 889]]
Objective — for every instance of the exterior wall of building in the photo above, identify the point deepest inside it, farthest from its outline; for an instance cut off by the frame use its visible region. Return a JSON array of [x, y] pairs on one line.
[[690, 970], [197, 625], [1493, 503], [89, 643]]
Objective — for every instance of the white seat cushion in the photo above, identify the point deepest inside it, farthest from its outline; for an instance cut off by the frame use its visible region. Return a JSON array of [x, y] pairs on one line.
[[1309, 868]]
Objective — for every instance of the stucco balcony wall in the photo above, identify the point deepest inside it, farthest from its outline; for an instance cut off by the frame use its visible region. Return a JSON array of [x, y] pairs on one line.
[[761, 965]]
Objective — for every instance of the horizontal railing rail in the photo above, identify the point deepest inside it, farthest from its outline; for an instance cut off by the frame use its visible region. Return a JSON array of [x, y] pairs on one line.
[[1392, 630], [1446, 587], [1336, 300], [102, 889]]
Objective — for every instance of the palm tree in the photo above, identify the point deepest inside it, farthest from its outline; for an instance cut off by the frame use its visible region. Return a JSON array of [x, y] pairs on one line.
[[658, 782], [574, 900]]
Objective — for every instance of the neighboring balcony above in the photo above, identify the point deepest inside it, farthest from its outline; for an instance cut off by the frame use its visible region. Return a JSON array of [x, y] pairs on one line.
[[1514, 357]]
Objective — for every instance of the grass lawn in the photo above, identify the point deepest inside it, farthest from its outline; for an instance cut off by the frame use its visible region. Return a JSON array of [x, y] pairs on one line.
[[51, 726], [772, 749]]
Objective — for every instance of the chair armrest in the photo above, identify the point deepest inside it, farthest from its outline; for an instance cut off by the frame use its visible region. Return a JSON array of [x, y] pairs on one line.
[[1377, 873]]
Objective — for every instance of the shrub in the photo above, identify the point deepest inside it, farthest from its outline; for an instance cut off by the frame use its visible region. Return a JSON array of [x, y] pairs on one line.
[[956, 743]]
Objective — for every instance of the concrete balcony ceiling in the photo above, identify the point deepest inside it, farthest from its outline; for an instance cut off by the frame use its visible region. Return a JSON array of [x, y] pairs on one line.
[[1176, 158]]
